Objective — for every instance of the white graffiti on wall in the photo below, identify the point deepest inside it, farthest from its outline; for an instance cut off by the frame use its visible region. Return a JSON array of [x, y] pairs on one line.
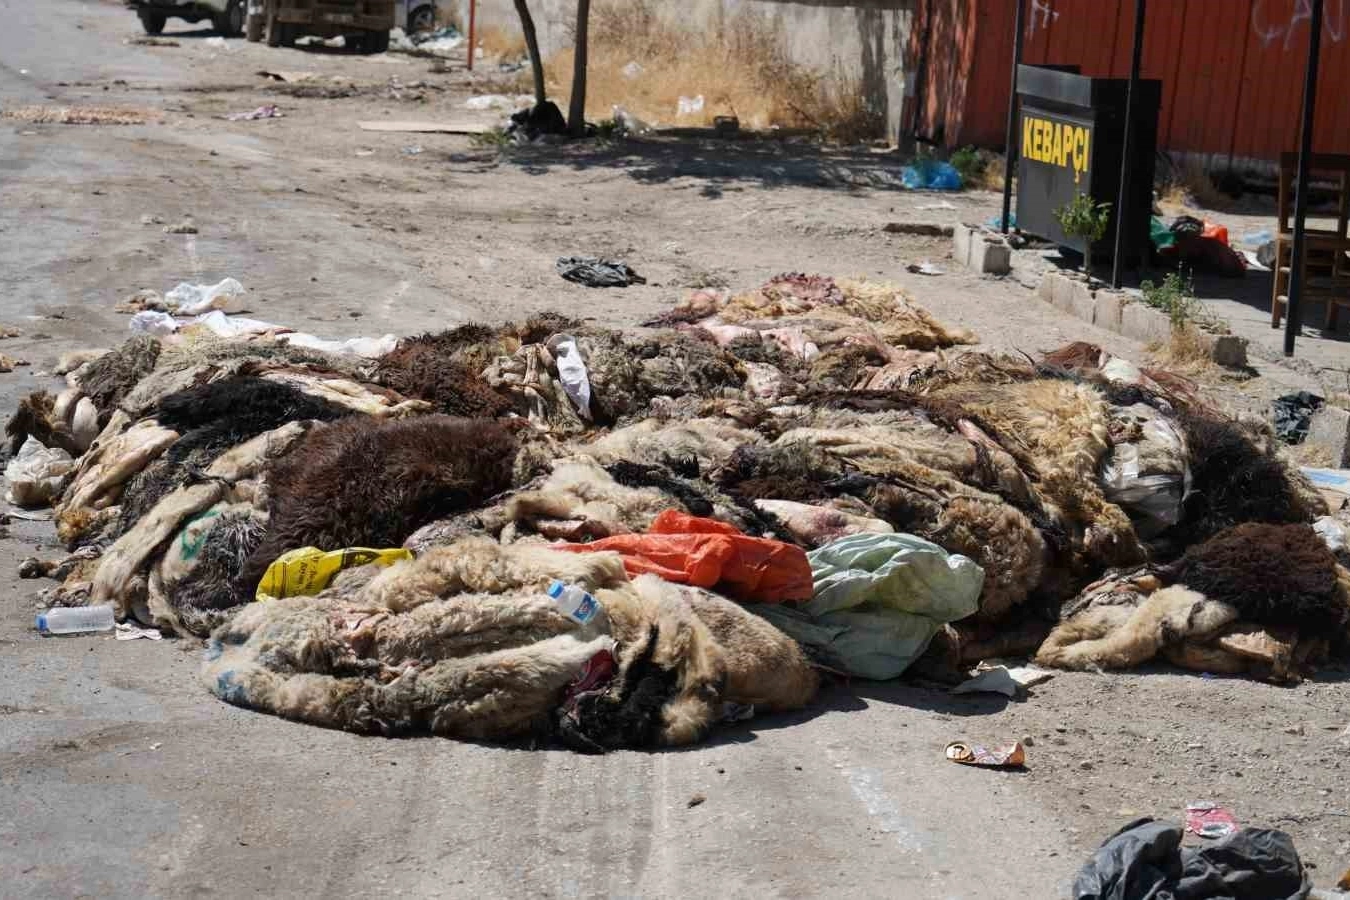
[[1333, 22], [1042, 14]]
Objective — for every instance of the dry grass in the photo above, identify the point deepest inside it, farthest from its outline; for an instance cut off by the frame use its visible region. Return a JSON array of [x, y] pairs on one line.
[[1317, 456], [1187, 352], [1190, 187], [501, 44], [76, 115], [739, 65]]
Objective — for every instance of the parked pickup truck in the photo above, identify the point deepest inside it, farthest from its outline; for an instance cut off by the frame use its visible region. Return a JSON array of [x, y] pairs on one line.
[[226, 15]]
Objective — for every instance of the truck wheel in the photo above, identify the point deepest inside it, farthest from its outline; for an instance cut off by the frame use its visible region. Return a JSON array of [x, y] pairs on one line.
[[153, 21], [231, 22], [375, 42], [253, 27]]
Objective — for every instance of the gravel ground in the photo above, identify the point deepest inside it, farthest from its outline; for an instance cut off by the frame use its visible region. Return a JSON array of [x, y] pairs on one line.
[[120, 776]]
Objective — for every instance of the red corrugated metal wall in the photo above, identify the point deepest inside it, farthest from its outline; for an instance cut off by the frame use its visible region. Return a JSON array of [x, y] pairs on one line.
[[1232, 70]]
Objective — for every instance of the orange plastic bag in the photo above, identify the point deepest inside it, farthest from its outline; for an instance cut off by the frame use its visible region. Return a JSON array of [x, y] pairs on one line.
[[705, 553]]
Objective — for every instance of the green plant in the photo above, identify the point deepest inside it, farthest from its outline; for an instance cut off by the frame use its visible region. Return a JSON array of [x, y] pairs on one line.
[[1085, 219], [494, 139], [1176, 297], [969, 163]]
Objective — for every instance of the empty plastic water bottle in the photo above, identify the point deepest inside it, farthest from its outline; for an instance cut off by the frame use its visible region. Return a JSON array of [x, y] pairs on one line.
[[75, 619], [574, 602]]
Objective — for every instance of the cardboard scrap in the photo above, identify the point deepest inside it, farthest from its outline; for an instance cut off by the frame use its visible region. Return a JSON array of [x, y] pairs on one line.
[[426, 127]]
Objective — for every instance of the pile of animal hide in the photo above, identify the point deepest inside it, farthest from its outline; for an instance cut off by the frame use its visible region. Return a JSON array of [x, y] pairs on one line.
[[807, 413], [463, 642]]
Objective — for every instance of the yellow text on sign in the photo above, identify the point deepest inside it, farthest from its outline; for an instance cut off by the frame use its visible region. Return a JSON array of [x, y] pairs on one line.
[[1057, 144]]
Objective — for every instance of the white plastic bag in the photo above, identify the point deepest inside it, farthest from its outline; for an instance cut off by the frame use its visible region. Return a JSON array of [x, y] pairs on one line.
[[690, 106], [37, 474], [196, 299], [1153, 500], [153, 322], [370, 348], [572, 371]]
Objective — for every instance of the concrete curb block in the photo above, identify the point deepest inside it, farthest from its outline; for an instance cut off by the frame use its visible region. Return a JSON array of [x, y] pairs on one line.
[[1117, 312], [981, 251]]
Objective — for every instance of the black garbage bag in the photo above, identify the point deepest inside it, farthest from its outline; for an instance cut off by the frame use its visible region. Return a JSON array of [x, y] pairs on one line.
[[1293, 415], [1145, 861], [595, 272]]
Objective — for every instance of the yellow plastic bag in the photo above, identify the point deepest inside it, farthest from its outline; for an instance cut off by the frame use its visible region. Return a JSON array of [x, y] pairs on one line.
[[307, 571]]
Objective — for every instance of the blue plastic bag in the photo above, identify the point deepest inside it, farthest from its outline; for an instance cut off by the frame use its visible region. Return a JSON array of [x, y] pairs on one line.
[[930, 175]]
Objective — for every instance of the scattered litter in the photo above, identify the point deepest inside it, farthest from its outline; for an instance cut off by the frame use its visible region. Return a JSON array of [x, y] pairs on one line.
[[930, 175], [364, 152], [426, 43], [156, 745], [689, 106], [181, 228], [216, 43], [37, 474], [1293, 415], [313, 40], [572, 373], [148, 219], [76, 619], [370, 348], [629, 123], [145, 40], [309, 570], [196, 299], [1009, 681], [931, 207], [270, 111], [1145, 861], [574, 601], [9, 364], [1254, 261], [1332, 484], [542, 122], [498, 101], [878, 600], [153, 322], [1207, 819], [29, 515], [697, 800], [632, 70], [595, 272], [288, 77], [412, 150], [924, 268], [685, 549], [426, 127], [127, 631], [76, 115], [1009, 755], [1257, 238], [996, 221]]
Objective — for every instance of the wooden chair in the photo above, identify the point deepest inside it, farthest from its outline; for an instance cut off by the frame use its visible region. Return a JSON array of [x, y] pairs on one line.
[[1326, 262]]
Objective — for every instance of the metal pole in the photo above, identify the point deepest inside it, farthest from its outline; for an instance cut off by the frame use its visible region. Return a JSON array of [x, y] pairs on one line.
[[1009, 154], [473, 31], [1294, 320], [1127, 155]]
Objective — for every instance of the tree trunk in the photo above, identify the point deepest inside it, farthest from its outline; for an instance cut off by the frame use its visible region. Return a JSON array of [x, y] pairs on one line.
[[576, 115], [532, 42]]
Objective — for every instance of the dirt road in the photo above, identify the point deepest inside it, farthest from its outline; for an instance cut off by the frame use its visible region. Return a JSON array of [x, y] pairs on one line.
[[121, 776]]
